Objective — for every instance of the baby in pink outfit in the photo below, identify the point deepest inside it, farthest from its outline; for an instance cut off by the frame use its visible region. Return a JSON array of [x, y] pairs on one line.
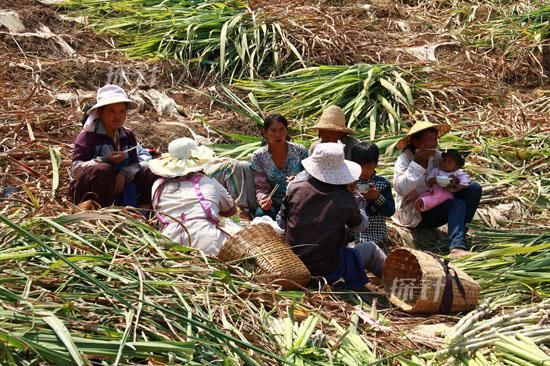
[[450, 167]]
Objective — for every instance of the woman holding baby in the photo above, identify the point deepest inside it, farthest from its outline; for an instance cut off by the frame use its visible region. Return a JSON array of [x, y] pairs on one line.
[[415, 183]]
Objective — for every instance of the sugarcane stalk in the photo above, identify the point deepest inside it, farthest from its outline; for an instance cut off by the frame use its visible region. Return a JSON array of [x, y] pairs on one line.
[[528, 345], [505, 318], [514, 360], [467, 346], [470, 318], [515, 348]]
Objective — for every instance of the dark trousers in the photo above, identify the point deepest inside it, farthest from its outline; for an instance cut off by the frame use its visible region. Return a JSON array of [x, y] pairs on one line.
[[98, 183], [456, 213]]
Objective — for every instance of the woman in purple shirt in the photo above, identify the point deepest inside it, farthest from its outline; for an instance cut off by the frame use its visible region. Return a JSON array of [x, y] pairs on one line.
[[105, 165]]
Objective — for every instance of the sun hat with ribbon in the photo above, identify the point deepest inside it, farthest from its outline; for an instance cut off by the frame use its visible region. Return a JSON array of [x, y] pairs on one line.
[[421, 126], [184, 156], [333, 119], [328, 165], [111, 94]]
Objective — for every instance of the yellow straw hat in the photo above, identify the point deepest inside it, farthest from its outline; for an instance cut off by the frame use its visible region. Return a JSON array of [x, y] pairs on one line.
[[333, 119], [421, 126]]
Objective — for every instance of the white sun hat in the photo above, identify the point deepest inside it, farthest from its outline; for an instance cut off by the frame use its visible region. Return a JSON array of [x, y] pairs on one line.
[[328, 165], [184, 156], [111, 94]]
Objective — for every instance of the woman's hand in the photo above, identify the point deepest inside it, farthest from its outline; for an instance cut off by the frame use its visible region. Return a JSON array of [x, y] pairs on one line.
[[421, 156], [115, 157], [120, 181], [431, 181], [266, 204]]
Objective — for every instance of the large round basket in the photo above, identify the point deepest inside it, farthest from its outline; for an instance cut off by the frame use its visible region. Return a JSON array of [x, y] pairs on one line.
[[276, 262], [419, 282]]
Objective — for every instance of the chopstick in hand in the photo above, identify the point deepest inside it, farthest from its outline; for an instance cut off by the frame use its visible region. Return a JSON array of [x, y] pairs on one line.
[[273, 191], [128, 150]]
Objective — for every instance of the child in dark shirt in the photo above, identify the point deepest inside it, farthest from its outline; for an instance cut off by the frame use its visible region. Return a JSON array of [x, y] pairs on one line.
[[377, 192]]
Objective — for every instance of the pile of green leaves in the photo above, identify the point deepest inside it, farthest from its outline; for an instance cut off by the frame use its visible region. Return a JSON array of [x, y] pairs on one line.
[[225, 37]]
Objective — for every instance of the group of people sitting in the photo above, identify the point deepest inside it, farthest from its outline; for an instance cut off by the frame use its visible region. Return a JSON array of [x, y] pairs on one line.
[[324, 199]]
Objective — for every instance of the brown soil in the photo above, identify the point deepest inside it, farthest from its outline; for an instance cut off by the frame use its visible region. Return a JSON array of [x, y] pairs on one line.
[[34, 71], [378, 31], [27, 62]]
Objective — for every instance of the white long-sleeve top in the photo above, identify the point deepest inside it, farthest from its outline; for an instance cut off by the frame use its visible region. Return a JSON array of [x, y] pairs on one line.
[[178, 204], [409, 181]]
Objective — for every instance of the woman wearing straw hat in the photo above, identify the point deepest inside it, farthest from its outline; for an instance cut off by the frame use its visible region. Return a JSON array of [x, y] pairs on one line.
[[419, 156], [105, 165], [315, 213], [332, 128], [188, 202], [274, 164]]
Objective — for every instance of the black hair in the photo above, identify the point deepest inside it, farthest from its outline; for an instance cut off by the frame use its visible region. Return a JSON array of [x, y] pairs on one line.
[[456, 156], [271, 119], [85, 109], [417, 136], [365, 153]]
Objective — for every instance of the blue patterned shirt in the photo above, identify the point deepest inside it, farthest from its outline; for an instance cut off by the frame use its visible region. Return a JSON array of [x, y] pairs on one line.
[[262, 162]]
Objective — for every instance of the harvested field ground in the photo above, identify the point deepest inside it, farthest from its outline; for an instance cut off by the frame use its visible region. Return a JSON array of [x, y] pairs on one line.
[[50, 69]]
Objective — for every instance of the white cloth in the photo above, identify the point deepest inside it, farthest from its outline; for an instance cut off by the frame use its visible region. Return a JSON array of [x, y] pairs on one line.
[[268, 220], [409, 181], [89, 125], [178, 200], [463, 177]]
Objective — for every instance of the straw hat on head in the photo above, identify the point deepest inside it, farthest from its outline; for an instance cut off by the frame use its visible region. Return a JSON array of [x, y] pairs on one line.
[[328, 165], [421, 126], [333, 119], [112, 94], [184, 156]]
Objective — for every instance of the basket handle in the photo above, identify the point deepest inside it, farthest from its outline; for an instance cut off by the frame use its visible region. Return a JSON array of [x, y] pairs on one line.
[[447, 299]]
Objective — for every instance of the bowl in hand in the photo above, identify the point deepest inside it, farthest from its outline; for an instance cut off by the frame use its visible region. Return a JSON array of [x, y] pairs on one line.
[[363, 187], [443, 181]]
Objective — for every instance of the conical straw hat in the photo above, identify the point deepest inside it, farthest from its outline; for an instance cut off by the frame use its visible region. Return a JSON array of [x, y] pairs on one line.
[[421, 126]]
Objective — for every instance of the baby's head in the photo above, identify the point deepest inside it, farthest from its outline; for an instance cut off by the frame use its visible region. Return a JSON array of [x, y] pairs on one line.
[[451, 160]]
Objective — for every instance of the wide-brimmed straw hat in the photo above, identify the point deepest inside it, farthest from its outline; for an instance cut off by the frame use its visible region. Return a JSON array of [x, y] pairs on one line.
[[328, 165], [333, 119], [111, 94], [421, 126], [184, 156]]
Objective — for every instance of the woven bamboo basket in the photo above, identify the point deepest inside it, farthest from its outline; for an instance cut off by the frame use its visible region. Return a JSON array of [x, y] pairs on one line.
[[415, 282], [275, 260], [89, 205]]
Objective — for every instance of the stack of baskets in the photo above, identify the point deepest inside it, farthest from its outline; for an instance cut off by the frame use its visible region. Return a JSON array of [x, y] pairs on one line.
[[276, 262], [416, 282]]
